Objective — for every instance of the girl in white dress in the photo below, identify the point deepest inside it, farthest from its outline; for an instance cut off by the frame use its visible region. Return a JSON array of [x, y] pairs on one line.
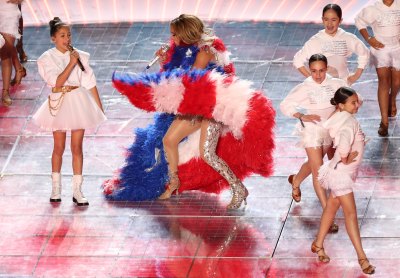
[[338, 175], [9, 21], [313, 95], [74, 104], [384, 19]]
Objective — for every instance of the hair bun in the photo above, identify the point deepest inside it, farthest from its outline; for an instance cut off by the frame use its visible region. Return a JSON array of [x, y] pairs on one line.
[[333, 102], [54, 21]]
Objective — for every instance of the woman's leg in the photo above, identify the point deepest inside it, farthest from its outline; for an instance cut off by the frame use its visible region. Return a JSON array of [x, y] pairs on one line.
[[384, 81], [210, 132], [394, 90], [77, 165], [179, 129], [328, 215]]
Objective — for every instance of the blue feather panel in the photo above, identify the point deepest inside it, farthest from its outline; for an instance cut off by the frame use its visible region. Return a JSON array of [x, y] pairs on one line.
[[137, 184]]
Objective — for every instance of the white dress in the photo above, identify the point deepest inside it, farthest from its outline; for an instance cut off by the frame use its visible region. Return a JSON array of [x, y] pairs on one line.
[[347, 137], [315, 99], [336, 48], [78, 109], [385, 24], [9, 19]]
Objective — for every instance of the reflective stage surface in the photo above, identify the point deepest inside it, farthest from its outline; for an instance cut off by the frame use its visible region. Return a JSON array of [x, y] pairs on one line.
[[191, 235]]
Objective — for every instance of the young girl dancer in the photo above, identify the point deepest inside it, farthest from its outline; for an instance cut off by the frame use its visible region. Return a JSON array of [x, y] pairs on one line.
[[314, 96], [337, 45], [74, 105], [199, 91], [338, 175], [9, 21], [384, 19]]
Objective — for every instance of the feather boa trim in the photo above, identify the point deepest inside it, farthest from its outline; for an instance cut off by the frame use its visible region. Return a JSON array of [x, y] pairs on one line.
[[339, 182], [246, 144], [209, 94]]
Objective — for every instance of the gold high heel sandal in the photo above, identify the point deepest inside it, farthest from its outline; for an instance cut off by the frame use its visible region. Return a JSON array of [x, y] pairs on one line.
[[295, 197], [370, 269], [19, 74], [322, 258], [239, 194], [173, 185], [5, 97]]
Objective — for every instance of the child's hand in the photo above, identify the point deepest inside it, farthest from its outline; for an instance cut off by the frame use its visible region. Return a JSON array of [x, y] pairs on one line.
[[373, 42], [352, 78], [74, 56], [350, 158], [311, 118]]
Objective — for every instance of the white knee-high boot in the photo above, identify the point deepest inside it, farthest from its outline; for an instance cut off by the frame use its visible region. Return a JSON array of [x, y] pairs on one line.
[[55, 188], [78, 197]]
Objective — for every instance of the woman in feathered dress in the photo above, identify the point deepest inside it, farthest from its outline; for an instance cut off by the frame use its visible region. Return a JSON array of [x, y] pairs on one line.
[[209, 118]]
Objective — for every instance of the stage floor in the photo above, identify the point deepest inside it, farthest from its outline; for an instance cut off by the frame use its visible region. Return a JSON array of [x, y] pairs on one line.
[[191, 235]]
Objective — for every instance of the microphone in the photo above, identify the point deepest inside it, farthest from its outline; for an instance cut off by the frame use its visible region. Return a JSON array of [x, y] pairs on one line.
[[164, 49], [70, 48]]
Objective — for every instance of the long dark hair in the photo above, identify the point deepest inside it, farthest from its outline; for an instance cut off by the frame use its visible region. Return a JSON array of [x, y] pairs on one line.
[[341, 95], [55, 25], [336, 8]]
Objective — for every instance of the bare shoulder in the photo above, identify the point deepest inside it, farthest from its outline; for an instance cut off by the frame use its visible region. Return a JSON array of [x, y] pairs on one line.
[[202, 59]]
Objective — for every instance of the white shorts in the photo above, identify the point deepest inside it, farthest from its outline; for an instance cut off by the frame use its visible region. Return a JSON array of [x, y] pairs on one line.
[[9, 22], [312, 136], [389, 56], [338, 177]]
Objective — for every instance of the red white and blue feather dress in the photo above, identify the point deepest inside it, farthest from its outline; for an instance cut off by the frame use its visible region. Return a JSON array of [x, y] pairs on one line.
[[246, 143]]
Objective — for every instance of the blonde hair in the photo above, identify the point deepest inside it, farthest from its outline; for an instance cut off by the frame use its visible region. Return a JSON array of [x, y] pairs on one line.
[[188, 28]]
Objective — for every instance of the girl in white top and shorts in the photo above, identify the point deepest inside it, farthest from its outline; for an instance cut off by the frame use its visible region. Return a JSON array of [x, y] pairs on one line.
[[9, 22], [313, 95], [384, 19], [339, 174]]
